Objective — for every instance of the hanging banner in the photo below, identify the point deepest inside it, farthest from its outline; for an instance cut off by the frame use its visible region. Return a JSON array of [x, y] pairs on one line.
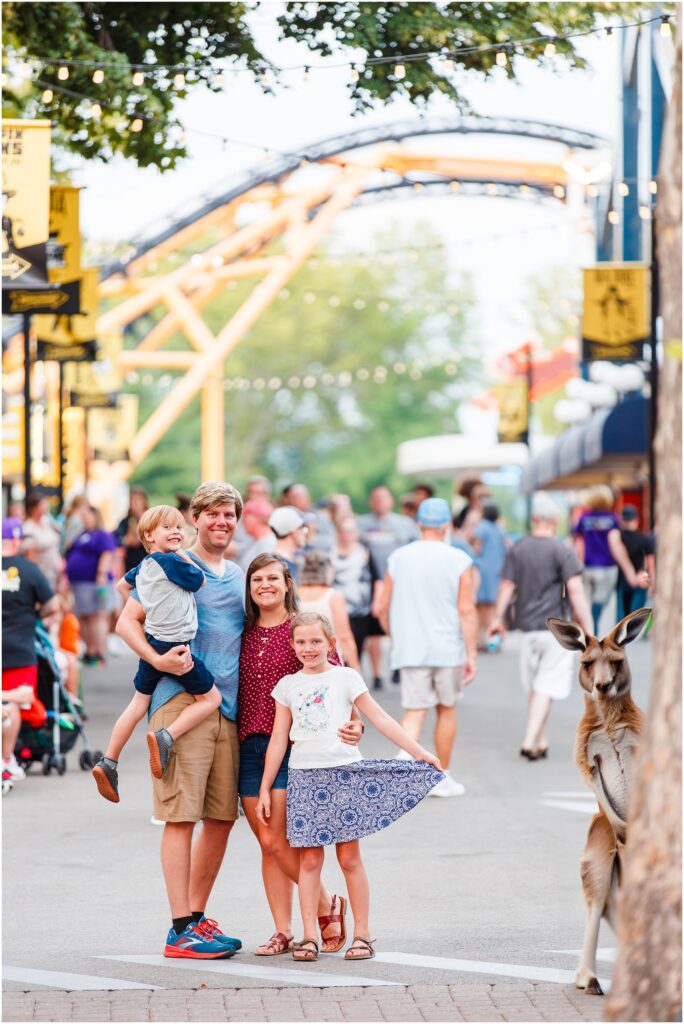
[[25, 203], [74, 442], [65, 299], [110, 431], [513, 408], [64, 242], [617, 312], [78, 352], [63, 330], [96, 384], [13, 437]]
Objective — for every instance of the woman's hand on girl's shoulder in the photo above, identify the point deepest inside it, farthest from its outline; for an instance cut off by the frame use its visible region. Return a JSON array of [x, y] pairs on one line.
[[263, 810]]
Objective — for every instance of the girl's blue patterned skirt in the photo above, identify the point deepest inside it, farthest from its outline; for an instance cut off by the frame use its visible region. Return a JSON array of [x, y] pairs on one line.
[[337, 805]]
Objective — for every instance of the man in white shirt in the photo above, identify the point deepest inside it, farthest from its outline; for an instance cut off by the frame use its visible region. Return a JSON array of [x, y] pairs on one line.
[[428, 608]]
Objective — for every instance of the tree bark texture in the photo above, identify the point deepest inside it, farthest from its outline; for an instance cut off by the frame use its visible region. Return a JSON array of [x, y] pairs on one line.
[[647, 983]]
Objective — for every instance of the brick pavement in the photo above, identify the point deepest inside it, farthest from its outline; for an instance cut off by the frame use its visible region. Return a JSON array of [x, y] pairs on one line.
[[507, 1001]]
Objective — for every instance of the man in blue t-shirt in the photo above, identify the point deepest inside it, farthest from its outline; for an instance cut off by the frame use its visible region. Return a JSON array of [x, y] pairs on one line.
[[200, 782]]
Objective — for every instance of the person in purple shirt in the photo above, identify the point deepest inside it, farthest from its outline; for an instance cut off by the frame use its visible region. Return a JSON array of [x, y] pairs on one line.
[[89, 566], [599, 546]]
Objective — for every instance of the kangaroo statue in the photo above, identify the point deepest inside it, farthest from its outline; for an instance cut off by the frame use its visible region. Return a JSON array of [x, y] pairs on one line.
[[606, 738]]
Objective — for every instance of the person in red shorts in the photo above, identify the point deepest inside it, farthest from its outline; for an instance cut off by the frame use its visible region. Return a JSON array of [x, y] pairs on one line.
[[26, 596]]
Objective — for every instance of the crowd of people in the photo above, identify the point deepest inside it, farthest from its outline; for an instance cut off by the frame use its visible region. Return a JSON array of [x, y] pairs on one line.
[[252, 621], [340, 563]]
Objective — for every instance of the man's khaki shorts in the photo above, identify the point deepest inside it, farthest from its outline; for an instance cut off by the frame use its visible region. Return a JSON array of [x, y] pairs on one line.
[[428, 687], [201, 778]]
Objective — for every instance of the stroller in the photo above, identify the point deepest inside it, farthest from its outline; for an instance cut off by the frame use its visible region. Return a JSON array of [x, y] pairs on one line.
[[52, 740]]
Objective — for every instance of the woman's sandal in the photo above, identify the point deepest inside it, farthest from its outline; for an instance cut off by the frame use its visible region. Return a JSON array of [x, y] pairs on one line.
[[306, 955], [276, 945], [366, 945], [332, 918]]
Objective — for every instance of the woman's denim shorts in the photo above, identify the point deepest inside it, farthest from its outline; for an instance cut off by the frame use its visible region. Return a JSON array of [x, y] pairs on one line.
[[252, 761]]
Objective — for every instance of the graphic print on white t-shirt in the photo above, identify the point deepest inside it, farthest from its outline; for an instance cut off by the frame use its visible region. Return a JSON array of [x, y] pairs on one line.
[[320, 703]]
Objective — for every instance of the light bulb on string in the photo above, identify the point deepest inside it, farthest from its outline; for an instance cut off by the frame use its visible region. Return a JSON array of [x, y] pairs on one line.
[[63, 73], [179, 80], [653, 187], [96, 111], [219, 80], [138, 78], [47, 96], [491, 189], [666, 27], [610, 37], [623, 188], [353, 74], [399, 72], [447, 65], [501, 59], [613, 217], [550, 48], [454, 186], [306, 74], [592, 191], [645, 212], [559, 192], [136, 124], [98, 76]]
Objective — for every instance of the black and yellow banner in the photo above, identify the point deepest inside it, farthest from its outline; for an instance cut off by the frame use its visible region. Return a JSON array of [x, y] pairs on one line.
[[59, 300], [110, 431], [513, 411], [73, 352], [64, 243], [63, 330], [25, 203], [617, 312]]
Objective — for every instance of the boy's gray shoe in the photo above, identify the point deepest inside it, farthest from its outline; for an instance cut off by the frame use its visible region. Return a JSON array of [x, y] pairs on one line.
[[160, 744], [107, 780]]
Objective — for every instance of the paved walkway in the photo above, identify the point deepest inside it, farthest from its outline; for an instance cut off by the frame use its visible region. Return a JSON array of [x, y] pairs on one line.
[[495, 1002]]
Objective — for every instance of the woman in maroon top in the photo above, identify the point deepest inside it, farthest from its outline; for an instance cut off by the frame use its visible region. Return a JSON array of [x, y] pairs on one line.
[[266, 657]]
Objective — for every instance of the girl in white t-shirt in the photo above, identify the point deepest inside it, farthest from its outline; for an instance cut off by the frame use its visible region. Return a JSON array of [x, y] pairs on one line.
[[333, 795]]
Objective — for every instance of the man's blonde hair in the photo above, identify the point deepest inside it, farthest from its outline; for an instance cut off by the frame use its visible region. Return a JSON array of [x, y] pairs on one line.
[[312, 619], [151, 519], [218, 492]]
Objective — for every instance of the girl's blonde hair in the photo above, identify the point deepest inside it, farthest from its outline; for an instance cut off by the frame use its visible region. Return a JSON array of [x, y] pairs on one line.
[[600, 498], [152, 517], [312, 619]]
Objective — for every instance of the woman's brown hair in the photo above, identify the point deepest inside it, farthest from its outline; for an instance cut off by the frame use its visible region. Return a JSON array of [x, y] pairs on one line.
[[260, 562]]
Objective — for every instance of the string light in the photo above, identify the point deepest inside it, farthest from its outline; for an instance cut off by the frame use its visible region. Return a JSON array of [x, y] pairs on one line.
[[96, 111], [610, 37], [592, 191], [447, 65], [138, 78], [399, 72], [306, 75], [47, 96], [136, 124], [501, 59], [219, 80], [353, 74], [63, 73], [623, 188], [653, 187], [645, 212], [613, 217], [179, 80], [559, 191], [98, 76], [447, 59], [550, 49]]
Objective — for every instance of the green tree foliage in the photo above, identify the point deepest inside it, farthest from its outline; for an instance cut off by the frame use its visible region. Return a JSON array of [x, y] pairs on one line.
[[209, 37], [348, 318]]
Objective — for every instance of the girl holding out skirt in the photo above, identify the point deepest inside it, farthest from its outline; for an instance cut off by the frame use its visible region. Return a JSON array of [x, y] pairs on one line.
[[333, 795]]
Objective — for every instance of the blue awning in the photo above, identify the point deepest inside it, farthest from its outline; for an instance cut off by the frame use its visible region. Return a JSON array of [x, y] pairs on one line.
[[611, 446]]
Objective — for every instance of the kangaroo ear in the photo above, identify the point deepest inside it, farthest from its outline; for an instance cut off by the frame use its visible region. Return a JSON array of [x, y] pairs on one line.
[[568, 634], [630, 627]]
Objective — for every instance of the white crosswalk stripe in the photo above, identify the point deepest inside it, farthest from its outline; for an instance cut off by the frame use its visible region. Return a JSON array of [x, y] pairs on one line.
[[68, 982]]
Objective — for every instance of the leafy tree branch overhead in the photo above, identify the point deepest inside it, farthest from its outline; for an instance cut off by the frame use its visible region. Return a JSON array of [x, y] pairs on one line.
[[206, 39]]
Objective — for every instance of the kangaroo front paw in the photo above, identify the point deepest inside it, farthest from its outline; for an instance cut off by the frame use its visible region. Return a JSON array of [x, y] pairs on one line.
[[588, 982]]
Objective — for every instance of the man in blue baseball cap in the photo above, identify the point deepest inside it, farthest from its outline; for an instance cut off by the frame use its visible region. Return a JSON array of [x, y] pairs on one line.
[[428, 608]]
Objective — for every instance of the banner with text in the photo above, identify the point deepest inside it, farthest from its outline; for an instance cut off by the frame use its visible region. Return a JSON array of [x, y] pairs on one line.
[[25, 203], [617, 312], [513, 405]]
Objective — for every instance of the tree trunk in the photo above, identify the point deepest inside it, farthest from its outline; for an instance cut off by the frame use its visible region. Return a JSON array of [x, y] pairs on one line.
[[647, 984]]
